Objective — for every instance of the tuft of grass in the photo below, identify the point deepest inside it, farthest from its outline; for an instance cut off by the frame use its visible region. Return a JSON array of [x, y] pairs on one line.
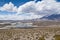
[[41, 38], [57, 37]]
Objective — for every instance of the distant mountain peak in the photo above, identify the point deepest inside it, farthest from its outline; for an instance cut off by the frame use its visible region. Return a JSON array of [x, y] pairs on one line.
[[52, 17]]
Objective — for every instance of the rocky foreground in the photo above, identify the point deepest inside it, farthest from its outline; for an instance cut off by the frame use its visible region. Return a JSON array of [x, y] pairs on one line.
[[30, 34]]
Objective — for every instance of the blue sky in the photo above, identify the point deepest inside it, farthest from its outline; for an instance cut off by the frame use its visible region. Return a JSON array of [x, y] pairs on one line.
[[15, 2], [28, 9]]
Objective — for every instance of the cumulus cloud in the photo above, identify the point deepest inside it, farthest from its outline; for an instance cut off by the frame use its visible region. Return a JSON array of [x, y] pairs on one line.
[[44, 7], [9, 7], [33, 8]]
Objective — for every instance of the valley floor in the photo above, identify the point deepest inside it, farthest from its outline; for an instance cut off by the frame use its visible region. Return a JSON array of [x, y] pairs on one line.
[[41, 33]]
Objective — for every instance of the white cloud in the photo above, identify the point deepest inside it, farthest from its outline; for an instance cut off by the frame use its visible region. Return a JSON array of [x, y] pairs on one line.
[[36, 10], [9, 7], [27, 7], [44, 7], [18, 17]]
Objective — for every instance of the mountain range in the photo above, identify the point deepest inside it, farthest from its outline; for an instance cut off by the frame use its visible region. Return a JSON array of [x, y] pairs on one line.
[[51, 17]]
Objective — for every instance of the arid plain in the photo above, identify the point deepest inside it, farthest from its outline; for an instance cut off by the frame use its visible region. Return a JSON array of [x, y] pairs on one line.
[[40, 30]]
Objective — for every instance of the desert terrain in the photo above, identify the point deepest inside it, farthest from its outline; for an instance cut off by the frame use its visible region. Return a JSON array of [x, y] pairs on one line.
[[40, 30]]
